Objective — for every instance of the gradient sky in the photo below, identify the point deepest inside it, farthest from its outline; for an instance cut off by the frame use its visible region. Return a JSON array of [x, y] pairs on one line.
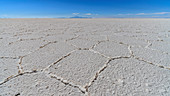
[[84, 8]]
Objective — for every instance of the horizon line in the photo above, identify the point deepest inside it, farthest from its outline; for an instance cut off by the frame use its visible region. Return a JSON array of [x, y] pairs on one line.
[[85, 18]]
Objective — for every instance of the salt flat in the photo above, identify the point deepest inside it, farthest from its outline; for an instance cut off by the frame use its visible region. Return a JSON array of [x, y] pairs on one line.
[[84, 57]]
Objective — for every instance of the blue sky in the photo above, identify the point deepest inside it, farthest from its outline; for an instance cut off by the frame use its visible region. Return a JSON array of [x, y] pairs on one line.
[[84, 8]]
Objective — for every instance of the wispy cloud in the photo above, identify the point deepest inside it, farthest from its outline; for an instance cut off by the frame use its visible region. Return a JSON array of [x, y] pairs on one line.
[[137, 14], [161, 13], [125, 14], [141, 14], [75, 13], [88, 14]]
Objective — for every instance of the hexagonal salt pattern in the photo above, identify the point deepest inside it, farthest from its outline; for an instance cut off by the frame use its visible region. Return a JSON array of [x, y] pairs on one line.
[[37, 84], [8, 68], [21, 48], [82, 43], [80, 67], [46, 56], [127, 40], [112, 49], [152, 56], [130, 77], [84, 57]]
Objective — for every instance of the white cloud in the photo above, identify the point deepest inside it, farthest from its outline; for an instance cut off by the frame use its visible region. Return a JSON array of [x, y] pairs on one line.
[[75, 13], [126, 14], [158, 13], [161, 13], [88, 14], [141, 14]]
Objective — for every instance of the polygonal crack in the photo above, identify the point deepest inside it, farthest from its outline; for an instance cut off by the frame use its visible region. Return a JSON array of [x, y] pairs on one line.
[[130, 77], [46, 56], [79, 67]]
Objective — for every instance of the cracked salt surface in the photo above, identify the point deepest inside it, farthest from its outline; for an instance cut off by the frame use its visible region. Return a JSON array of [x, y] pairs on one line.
[[157, 58], [84, 57], [127, 40], [112, 49], [45, 56], [79, 67], [8, 68], [37, 84], [82, 43], [130, 77], [21, 48]]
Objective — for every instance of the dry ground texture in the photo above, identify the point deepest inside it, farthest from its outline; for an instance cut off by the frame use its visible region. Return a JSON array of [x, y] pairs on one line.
[[84, 57]]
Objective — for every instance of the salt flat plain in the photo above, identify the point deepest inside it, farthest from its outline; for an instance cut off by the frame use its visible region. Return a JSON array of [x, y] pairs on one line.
[[84, 57]]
